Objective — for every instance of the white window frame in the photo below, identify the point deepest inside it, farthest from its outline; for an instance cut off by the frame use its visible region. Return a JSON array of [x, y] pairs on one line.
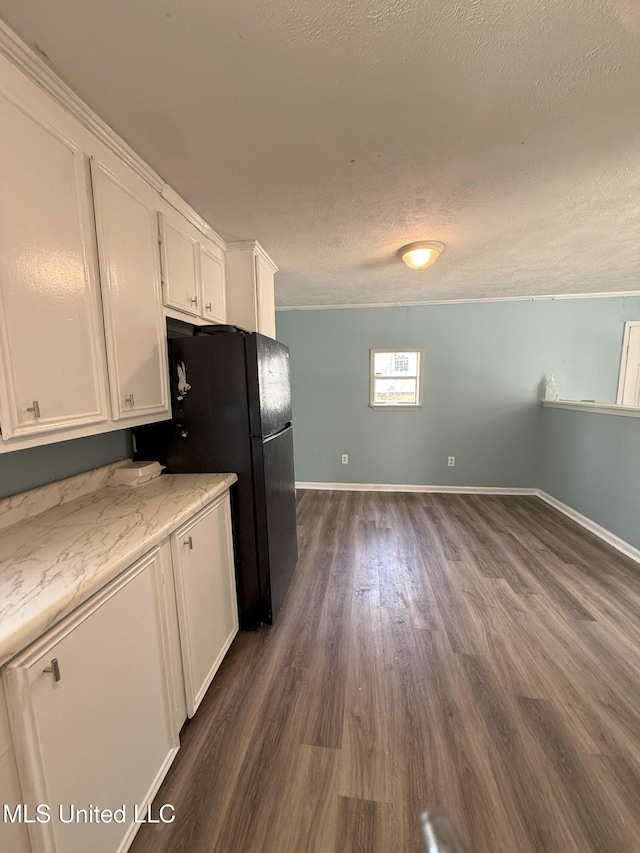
[[419, 377]]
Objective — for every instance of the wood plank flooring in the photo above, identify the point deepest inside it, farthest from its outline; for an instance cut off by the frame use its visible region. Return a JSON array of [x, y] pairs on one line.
[[476, 653]]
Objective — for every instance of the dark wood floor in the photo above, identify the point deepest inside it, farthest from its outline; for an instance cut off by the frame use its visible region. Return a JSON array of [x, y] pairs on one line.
[[477, 653]]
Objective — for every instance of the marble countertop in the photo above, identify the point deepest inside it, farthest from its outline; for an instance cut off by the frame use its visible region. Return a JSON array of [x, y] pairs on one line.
[[52, 562]]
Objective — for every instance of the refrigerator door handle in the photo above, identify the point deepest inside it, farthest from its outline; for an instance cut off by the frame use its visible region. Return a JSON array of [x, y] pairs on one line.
[[272, 435]]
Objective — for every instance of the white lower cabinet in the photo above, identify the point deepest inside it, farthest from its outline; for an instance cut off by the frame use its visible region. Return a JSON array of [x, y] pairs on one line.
[[13, 833], [91, 715], [95, 705], [206, 594]]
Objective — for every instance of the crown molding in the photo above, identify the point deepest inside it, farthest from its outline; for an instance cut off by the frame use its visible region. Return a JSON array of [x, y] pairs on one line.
[[24, 58], [621, 294], [254, 246], [178, 203]]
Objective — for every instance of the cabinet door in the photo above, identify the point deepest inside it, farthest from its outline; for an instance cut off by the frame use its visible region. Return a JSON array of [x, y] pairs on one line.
[[52, 354], [212, 280], [90, 714], [13, 835], [265, 288], [134, 324], [206, 592], [179, 256], [240, 289]]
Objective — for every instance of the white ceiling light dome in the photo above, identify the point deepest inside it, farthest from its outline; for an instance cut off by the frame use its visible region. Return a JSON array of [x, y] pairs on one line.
[[422, 254]]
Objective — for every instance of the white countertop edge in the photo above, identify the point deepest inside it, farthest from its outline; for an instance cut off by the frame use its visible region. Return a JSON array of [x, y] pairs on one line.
[[19, 631], [599, 408]]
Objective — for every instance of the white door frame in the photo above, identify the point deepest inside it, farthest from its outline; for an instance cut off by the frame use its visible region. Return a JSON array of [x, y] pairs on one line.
[[624, 358]]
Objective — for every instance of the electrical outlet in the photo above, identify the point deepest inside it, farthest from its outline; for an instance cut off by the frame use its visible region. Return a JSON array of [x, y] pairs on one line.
[[345, 458], [451, 461]]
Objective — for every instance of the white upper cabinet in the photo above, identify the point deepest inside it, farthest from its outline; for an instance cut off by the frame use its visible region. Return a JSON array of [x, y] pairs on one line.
[[130, 275], [212, 283], [179, 257], [52, 350], [266, 300], [192, 271], [250, 288]]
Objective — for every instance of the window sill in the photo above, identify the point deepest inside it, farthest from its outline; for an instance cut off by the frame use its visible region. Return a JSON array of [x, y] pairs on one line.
[[599, 408], [411, 407]]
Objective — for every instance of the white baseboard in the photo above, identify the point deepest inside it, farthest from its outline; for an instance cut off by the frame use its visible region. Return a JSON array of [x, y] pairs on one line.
[[590, 525], [392, 487], [601, 532]]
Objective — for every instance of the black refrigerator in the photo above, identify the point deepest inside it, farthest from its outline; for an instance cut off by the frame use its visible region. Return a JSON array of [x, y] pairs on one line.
[[231, 406]]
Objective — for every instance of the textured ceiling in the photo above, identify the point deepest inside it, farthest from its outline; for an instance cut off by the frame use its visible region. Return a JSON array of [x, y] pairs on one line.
[[335, 131]]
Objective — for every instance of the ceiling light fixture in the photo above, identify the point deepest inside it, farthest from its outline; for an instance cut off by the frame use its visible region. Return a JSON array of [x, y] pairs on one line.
[[421, 255]]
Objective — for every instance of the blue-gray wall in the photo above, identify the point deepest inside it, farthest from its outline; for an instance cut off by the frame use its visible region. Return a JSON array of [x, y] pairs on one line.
[[592, 463], [484, 364], [25, 469]]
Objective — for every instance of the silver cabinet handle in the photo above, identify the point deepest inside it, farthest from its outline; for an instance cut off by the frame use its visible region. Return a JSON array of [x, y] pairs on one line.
[[35, 409], [129, 400], [189, 542], [54, 669], [208, 306]]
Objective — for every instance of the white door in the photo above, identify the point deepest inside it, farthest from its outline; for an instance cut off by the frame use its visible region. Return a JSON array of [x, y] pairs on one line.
[[212, 280], [93, 708], [206, 593], [629, 386], [51, 346], [179, 256], [130, 272], [265, 288]]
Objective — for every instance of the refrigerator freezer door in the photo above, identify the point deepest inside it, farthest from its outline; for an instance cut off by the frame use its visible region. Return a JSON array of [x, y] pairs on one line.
[[270, 395], [275, 500], [210, 433], [228, 386]]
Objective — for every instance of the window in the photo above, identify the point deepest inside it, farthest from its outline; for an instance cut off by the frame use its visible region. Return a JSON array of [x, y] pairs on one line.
[[396, 378]]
